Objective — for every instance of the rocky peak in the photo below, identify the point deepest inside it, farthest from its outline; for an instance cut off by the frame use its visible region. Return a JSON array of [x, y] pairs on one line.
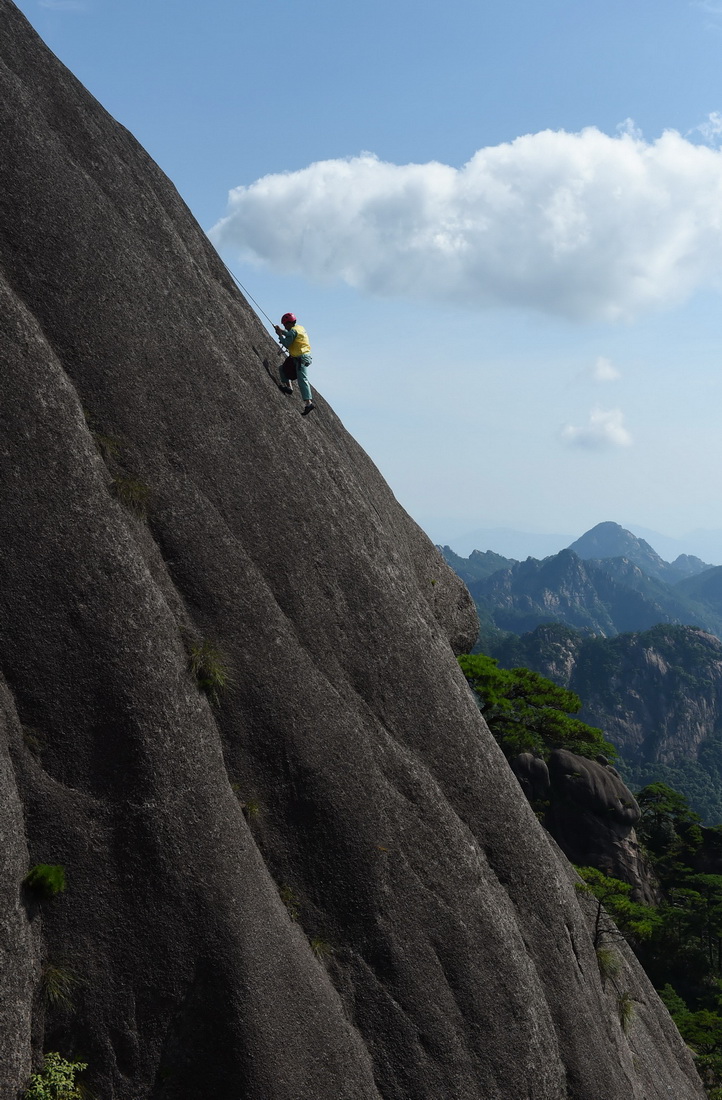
[[610, 540], [687, 565]]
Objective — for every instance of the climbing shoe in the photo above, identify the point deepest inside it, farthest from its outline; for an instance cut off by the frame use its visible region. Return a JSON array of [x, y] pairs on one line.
[[307, 409], [285, 389]]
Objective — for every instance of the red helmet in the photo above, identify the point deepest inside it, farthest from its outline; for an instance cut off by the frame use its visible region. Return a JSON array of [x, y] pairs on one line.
[[288, 319]]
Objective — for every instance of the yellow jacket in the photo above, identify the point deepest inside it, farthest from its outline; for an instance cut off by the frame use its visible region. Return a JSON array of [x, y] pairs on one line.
[[300, 345]]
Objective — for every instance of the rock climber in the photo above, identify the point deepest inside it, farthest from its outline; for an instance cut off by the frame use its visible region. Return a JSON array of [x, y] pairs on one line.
[[294, 339]]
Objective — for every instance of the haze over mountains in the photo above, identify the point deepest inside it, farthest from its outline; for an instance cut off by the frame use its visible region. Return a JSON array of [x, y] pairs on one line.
[[705, 544]]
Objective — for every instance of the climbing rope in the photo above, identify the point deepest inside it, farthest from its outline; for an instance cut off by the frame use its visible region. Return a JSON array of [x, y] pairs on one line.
[[240, 284]]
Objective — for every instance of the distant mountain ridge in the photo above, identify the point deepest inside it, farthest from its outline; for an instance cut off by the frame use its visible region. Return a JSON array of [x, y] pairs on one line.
[[610, 540], [608, 582], [701, 543], [511, 544], [479, 564]]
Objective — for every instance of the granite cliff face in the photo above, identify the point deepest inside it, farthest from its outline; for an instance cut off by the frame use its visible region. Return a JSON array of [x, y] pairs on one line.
[[327, 887]]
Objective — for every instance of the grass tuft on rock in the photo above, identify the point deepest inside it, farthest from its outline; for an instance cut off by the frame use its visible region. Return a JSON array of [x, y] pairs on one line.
[[321, 949], [58, 984], [132, 493], [625, 1006], [609, 962], [210, 669]]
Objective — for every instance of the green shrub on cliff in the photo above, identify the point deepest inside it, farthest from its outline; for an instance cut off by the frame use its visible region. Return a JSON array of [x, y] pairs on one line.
[[669, 829], [625, 1007], [56, 1080], [528, 713], [702, 1032], [45, 879], [630, 919]]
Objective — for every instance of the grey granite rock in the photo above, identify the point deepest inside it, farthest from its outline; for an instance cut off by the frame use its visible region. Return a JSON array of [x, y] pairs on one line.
[[592, 815], [327, 886]]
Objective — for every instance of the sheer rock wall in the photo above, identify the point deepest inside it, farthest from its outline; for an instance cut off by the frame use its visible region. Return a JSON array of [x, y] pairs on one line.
[[329, 885]]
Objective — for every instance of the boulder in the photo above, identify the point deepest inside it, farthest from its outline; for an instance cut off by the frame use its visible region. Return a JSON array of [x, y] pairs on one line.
[[591, 815]]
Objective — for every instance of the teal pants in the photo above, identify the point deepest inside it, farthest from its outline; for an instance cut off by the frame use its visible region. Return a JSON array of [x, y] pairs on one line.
[[301, 363]]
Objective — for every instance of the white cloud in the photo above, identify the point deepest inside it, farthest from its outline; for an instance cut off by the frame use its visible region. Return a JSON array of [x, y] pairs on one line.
[[605, 429], [583, 225], [604, 371]]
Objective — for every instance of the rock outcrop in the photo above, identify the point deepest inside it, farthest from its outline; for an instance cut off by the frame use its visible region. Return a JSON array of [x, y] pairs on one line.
[[326, 885], [591, 814]]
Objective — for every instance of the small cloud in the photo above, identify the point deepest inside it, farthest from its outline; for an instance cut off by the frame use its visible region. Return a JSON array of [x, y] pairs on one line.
[[604, 371], [605, 429], [711, 130], [630, 128]]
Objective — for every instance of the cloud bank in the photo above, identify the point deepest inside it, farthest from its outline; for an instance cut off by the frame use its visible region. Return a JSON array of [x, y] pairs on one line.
[[585, 226], [605, 429]]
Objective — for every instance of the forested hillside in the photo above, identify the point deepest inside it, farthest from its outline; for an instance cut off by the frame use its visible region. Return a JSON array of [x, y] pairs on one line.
[[657, 696]]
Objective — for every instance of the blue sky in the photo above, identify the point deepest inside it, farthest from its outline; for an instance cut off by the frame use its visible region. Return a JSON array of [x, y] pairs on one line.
[[501, 225]]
